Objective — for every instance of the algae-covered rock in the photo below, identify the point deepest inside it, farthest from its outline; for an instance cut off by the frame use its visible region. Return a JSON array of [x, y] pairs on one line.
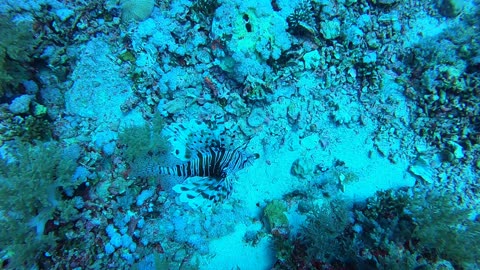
[[275, 214], [302, 168], [257, 117], [386, 2], [17, 45], [21, 104], [450, 8], [137, 10], [330, 29], [457, 149], [312, 59]]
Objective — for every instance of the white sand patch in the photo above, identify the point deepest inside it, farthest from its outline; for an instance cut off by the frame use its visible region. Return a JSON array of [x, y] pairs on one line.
[[231, 252], [270, 177]]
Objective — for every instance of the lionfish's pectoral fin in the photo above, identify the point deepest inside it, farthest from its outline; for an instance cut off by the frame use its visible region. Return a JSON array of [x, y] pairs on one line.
[[199, 192]]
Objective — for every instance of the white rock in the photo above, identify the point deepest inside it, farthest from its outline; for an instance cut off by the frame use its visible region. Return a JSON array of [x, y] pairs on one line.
[[64, 13], [421, 169], [457, 149], [21, 104], [312, 59], [257, 117], [310, 142]]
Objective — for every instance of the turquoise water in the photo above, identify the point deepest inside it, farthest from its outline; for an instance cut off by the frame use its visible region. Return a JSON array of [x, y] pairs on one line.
[[217, 134]]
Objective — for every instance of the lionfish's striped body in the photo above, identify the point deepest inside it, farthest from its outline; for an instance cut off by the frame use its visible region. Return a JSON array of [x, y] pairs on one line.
[[208, 168], [214, 162]]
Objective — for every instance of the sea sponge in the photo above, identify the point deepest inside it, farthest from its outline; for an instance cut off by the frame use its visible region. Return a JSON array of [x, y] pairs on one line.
[[137, 10]]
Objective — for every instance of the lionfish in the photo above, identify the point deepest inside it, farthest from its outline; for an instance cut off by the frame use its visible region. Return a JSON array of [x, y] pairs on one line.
[[209, 164]]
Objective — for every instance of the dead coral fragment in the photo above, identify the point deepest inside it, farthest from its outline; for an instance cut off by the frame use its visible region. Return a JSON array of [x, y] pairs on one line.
[[422, 169]]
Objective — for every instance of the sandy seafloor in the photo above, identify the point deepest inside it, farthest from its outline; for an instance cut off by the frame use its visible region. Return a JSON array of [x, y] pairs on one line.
[[302, 129]]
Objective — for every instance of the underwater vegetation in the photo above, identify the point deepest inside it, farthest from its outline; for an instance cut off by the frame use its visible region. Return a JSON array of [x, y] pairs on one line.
[[446, 229], [144, 140], [392, 230], [36, 186], [325, 225], [27, 126], [17, 46], [274, 213]]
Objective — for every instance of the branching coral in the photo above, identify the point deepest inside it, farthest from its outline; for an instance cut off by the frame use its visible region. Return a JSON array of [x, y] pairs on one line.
[[302, 19]]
